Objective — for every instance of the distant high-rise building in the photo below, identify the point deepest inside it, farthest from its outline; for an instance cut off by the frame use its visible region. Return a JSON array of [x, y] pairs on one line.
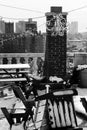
[[9, 27], [31, 25], [73, 29], [23, 26], [2, 27], [20, 27], [40, 43]]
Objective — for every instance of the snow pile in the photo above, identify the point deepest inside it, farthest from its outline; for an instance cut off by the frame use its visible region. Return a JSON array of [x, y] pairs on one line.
[[55, 78], [81, 67], [4, 124]]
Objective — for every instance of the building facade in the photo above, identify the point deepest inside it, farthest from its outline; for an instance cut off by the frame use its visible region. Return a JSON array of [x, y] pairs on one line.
[[23, 26], [6, 27], [31, 25], [20, 43], [2, 27], [20, 27], [9, 27]]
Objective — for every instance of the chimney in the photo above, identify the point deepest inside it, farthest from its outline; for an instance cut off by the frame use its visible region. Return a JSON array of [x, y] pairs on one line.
[[56, 9]]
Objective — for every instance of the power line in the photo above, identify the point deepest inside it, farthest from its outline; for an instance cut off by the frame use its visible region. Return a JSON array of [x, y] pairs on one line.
[[2, 17], [77, 9], [39, 17], [33, 11], [19, 8], [41, 24], [21, 18]]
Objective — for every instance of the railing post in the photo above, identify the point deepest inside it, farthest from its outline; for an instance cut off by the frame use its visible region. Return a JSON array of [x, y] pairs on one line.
[[18, 60], [26, 59], [9, 60], [1, 60], [35, 67]]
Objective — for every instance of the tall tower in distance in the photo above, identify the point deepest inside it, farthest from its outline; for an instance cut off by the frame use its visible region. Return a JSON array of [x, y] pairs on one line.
[[9, 27], [73, 29], [2, 26], [56, 39]]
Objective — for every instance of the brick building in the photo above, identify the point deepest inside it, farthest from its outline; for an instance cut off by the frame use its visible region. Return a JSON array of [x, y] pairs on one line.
[[23, 26], [55, 56], [9, 27]]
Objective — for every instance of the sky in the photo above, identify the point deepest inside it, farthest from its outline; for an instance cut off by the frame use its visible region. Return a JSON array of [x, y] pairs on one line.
[[44, 6]]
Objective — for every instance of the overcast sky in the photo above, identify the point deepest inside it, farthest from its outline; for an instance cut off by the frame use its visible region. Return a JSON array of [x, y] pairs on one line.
[[44, 6]]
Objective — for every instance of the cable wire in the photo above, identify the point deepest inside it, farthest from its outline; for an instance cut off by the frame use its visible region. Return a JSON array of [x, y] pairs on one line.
[[19, 8], [33, 11], [3, 17], [41, 25], [77, 9]]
